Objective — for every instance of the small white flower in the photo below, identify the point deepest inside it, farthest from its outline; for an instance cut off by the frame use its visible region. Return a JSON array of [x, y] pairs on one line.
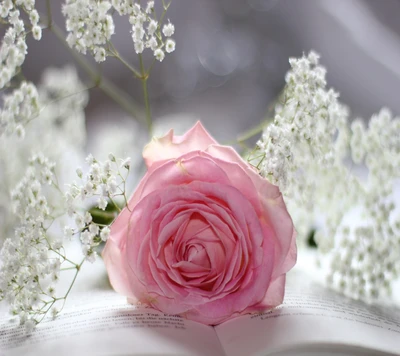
[[105, 233], [88, 218], [79, 172], [90, 159], [34, 17], [89, 189], [94, 229], [152, 27], [79, 221], [99, 54], [168, 29], [112, 186], [126, 163], [20, 131], [169, 45], [86, 237], [111, 157], [68, 232], [159, 54], [152, 43], [37, 32], [149, 7], [102, 203], [139, 46]]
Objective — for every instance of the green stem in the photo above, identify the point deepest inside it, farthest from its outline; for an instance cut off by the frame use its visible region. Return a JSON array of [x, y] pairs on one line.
[[127, 65], [115, 204], [115, 54], [49, 15], [65, 258], [110, 89], [78, 268], [143, 78], [252, 132], [151, 66], [103, 214], [165, 6], [67, 268]]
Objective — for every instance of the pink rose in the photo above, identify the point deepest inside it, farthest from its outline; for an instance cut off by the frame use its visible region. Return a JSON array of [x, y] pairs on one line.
[[204, 235]]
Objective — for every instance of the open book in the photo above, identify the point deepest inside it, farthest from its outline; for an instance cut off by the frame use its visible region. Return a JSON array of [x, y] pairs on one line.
[[312, 321]]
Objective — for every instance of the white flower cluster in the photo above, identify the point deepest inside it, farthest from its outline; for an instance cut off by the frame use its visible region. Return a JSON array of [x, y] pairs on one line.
[[63, 99], [19, 108], [303, 124], [371, 247], [146, 30], [58, 129], [13, 48], [103, 183], [366, 261], [90, 26], [304, 147], [313, 154], [30, 262]]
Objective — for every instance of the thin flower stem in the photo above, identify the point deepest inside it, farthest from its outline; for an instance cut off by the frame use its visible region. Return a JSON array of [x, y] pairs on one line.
[[144, 77], [252, 132], [67, 268], [49, 15], [109, 88], [45, 311], [127, 65], [243, 137], [116, 55], [115, 204], [160, 21], [165, 6], [64, 257], [151, 66], [78, 268], [125, 198]]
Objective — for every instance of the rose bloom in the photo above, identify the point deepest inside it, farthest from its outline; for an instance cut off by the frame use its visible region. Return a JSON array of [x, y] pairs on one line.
[[203, 236]]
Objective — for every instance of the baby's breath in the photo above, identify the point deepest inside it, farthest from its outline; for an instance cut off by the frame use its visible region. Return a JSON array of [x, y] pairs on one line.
[[90, 27], [19, 107], [13, 47], [103, 184], [31, 260], [50, 119], [313, 154]]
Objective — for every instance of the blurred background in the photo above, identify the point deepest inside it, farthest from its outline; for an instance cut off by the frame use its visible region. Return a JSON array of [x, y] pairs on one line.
[[232, 55]]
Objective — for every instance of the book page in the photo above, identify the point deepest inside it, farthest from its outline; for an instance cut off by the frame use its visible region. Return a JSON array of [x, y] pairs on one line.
[[103, 323], [312, 315]]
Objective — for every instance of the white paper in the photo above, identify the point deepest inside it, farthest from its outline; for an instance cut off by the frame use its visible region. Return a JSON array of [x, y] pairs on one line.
[[102, 323], [313, 316]]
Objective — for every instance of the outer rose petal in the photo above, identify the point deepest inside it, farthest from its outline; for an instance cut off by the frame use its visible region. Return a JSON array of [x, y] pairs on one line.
[[170, 146], [275, 293], [117, 272]]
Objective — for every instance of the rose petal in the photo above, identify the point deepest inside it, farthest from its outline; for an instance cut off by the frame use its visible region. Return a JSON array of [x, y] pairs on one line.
[[117, 269], [277, 222], [170, 146], [274, 295]]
